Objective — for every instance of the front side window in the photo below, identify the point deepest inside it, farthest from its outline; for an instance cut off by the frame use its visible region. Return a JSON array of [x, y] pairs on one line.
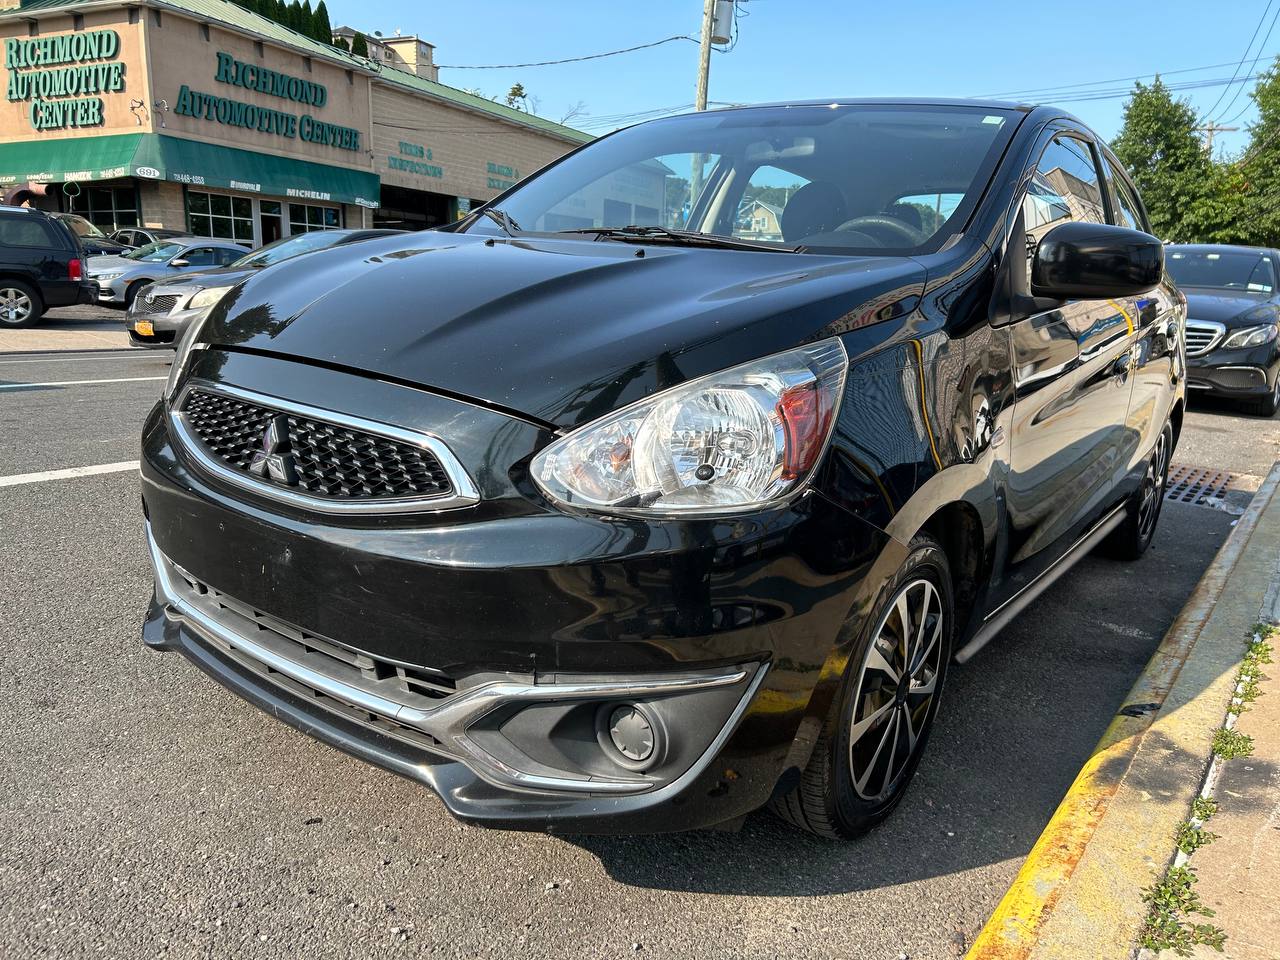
[[1249, 270], [833, 178], [1065, 187], [201, 256]]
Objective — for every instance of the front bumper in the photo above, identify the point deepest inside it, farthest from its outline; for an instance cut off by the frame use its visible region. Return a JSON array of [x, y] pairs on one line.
[[1239, 374], [111, 291], [726, 631], [166, 326]]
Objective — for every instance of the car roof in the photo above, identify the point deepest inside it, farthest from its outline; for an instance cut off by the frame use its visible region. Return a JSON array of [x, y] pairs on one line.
[[1217, 248]]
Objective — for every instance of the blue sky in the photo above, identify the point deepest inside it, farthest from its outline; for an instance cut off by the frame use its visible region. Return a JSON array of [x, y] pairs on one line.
[[797, 49]]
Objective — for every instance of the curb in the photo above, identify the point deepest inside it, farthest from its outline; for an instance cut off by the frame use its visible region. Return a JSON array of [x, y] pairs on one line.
[[1043, 889], [59, 351]]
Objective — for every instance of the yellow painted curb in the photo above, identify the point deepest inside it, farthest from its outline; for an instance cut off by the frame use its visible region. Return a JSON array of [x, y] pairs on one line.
[[1013, 929]]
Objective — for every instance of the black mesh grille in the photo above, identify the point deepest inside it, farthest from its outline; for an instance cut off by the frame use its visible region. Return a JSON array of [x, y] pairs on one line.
[[161, 304], [330, 460]]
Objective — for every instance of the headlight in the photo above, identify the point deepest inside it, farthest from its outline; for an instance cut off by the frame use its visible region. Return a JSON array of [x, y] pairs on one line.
[[739, 439], [107, 277], [1251, 337], [206, 297]]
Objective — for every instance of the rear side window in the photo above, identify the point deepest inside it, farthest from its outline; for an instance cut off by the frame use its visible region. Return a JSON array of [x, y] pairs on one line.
[[1128, 212], [26, 232]]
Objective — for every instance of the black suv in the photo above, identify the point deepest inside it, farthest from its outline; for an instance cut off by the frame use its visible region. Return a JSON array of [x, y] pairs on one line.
[[669, 484], [41, 266]]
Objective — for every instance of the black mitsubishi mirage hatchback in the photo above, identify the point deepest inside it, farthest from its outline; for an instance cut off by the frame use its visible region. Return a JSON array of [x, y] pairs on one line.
[[668, 484]]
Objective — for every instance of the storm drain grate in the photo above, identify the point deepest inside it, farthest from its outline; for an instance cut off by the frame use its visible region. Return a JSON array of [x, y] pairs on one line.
[[1198, 485]]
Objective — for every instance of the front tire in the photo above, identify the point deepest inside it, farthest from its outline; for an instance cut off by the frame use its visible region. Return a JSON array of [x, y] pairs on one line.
[[1268, 405], [878, 726]]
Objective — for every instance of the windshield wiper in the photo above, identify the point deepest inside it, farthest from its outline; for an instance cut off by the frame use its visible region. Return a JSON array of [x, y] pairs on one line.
[[690, 237], [502, 219]]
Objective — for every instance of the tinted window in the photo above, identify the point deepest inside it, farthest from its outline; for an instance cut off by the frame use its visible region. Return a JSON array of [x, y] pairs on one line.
[[224, 257], [26, 232], [1250, 270], [1064, 187], [1128, 211], [202, 256], [850, 165]]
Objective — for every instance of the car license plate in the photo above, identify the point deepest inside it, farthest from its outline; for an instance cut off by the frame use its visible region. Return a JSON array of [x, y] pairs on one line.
[[143, 328]]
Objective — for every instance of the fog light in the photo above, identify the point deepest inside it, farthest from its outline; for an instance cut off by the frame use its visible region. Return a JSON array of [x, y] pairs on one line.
[[631, 733]]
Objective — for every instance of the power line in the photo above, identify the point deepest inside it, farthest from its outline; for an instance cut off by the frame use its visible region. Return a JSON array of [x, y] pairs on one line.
[[1261, 21], [1121, 92], [552, 63], [1098, 83], [1240, 89]]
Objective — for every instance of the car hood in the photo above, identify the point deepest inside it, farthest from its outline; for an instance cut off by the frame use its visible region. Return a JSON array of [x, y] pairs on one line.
[[1229, 307], [219, 277], [560, 330], [108, 262]]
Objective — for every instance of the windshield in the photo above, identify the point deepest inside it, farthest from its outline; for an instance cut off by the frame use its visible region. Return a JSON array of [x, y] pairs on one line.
[[838, 178], [81, 226], [156, 252], [1250, 270], [290, 247]]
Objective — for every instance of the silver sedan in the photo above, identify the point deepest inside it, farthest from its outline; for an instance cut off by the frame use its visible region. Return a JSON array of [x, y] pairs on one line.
[[121, 278]]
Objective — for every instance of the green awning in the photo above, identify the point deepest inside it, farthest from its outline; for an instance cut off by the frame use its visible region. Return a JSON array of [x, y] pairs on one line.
[[79, 158], [159, 157]]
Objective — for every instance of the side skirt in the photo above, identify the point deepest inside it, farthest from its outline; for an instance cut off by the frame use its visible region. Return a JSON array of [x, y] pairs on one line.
[[1001, 617]]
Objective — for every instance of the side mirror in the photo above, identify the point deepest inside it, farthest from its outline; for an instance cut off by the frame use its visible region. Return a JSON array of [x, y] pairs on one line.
[[180, 263], [1095, 261]]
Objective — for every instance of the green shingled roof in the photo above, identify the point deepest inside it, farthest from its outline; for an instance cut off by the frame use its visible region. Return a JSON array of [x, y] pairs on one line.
[[236, 16]]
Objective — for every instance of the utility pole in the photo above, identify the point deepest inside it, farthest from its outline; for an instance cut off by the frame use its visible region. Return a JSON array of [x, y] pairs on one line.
[[700, 98], [1209, 129], [704, 55]]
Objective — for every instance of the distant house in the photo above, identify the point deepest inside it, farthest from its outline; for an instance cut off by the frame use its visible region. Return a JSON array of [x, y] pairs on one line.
[[411, 54], [759, 220]]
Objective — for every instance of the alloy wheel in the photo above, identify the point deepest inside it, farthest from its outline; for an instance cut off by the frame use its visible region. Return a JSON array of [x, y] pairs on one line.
[[1153, 487], [896, 688], [15, 305]]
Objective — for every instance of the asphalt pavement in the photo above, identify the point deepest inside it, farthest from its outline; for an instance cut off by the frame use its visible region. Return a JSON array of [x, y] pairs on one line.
[[145, 811]]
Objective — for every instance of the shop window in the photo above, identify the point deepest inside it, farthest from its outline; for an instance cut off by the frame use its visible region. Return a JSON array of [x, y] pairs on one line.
[[304, 217], [220, 216], [107, 208]]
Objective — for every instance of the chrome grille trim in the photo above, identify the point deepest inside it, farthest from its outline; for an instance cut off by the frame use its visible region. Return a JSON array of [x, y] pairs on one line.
[[464, 492], [160, 303], [1203, 336]]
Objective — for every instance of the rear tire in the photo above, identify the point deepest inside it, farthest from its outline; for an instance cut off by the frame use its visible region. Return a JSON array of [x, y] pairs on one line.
[[1130, 540], [877, 728], [20, 304]]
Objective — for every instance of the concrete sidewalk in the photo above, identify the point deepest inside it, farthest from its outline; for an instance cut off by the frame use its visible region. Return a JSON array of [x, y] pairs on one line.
[[69, 328], [1239, 872], [1080, 893]]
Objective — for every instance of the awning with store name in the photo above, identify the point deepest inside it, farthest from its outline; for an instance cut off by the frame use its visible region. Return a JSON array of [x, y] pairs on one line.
[[157, 157]]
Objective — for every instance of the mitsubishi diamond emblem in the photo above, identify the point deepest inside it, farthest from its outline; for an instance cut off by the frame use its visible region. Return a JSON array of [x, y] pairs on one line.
[[274, 460]]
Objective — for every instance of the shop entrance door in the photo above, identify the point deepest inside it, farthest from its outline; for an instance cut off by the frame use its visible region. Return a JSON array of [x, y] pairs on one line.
[[269, 221]]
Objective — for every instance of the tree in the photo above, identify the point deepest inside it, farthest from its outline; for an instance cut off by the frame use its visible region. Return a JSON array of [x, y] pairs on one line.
[[359, 45], [517, 98], [293, 16], [1159, 147], [341, 43], [321, 27], [1259, 177]]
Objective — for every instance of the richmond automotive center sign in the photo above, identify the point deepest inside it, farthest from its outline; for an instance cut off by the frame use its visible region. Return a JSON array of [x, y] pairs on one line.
[[64, 76]]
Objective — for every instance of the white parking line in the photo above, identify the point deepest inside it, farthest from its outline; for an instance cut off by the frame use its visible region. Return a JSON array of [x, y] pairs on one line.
[[91, 357], [21, 478], [76, 383]]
